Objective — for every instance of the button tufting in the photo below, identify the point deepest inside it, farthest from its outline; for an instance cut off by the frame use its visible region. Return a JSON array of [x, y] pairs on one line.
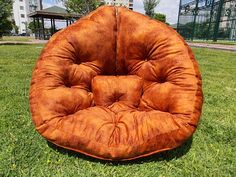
[[67, 84], [162, 79]]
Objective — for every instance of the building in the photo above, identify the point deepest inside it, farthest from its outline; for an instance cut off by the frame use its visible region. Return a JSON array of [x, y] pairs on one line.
[[207, 19], [21, 9], [127, 3]]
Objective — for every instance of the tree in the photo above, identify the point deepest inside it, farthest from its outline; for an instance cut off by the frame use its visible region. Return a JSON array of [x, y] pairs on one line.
[[160, 17], [15, 27], [5, 13], [31, 26], [149, 7], [81, 7], [199, 30]]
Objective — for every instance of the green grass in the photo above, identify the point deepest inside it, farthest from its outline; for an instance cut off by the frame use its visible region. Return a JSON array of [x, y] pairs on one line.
[[16, 38], [223, 42], [23, 152]]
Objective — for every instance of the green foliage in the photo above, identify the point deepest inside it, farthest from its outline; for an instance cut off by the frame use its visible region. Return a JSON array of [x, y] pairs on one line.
[[23, 152], [15, 27], [186, 30], [31, 26], [149, 7], [224, 33], [160, 17], [5, 13], [5, 26], [200, 32], [81, 7]]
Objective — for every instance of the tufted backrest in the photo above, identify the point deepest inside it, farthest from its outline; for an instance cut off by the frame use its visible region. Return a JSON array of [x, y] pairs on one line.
[[116, 61]]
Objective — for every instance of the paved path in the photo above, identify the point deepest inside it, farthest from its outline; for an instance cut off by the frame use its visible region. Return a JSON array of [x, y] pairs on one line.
[[199, 45], [214, 46]]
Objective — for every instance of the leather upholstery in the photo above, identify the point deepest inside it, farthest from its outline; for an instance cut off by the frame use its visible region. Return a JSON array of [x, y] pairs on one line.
[[116, 85]]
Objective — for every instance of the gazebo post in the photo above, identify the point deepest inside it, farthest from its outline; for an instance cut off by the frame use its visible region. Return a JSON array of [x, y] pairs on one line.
[[67, 22], [54, 26], [43, 27], [34, 27], [52, 30], [38, 28]]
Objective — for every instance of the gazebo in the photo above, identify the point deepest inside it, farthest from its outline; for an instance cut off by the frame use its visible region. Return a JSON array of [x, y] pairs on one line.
[[52, 13]]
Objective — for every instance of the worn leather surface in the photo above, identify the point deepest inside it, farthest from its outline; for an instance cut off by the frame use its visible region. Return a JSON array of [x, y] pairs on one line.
[[116, 85]]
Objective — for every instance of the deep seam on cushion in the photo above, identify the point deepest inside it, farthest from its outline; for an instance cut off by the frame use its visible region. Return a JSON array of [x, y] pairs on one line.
[[116, 35]]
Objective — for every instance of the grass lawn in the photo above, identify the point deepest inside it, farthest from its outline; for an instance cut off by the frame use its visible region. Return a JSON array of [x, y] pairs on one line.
[[17, 38], [212, 152]]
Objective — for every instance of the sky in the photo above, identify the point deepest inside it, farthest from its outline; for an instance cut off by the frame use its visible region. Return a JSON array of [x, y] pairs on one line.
[[168, 7], [49, 3]]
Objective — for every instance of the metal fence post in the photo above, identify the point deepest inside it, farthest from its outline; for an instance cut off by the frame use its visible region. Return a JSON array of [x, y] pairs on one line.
[[211, 14], [180, 2], [217, 24], [194, 21]]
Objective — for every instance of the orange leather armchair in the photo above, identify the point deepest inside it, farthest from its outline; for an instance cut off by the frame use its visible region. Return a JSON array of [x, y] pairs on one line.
[[116, 85]]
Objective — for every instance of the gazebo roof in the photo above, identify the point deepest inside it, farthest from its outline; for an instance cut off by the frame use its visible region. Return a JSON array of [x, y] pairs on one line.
[[53, 12]]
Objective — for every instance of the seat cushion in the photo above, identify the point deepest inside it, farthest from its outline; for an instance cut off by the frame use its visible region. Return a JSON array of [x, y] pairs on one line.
[[116, 85]]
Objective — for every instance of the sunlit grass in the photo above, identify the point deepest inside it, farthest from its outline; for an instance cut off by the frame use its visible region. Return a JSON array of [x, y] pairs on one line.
[[17, 38]]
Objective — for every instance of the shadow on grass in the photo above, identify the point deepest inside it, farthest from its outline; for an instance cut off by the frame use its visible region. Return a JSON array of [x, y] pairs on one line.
[[163, 156]]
